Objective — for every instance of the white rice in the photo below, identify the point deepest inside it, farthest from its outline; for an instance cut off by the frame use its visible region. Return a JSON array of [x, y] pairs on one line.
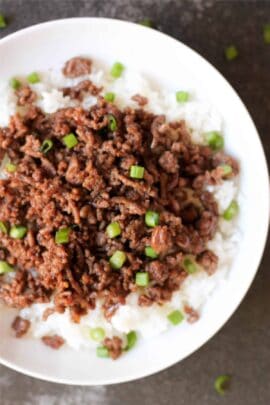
[[147, 321]]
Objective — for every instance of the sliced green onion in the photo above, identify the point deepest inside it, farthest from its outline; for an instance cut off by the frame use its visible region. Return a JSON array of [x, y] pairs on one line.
[[227, 169], [117, 70], [131, 340], [70, 141], [113, 230], [146, 22], [110, 97], [97, 334], [3, 22], [189, 265], [3, 227], [221, 383], [15, 83], [266, 33], [215, 140], [118, 259], [17, 231], [231, 52], [5, 267], [33, 78], [11, 167], [46, 146], [136, 172], [142, 279], [112, 122], [182, 96], [62, 236], [175, 317], [150, 252], [231, 211], [152, 218], [102, 351]]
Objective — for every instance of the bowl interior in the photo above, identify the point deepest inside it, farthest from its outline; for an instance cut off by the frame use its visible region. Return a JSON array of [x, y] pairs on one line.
[[171, 64]]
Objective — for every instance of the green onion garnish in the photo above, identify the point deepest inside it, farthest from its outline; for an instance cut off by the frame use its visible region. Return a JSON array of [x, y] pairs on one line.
[[113, 230], [5, 267], [150, 252], [231, 211], [266, 33], [112, 123], [189, 265], [110, 97], [131, 340], [11, 167], [102, 351], [182, 96], [97, 334], [33, 78], [15, 83], [146, 22], [142, 279], [17, 231], [117, 259], [62, 236], [231, 52], [136, 172], [3, 227], [175, 317], [221, 383], [117, 70], [3, 22], [151, 218], [46, 146], [215, 140], [227, 169], [70, 141]]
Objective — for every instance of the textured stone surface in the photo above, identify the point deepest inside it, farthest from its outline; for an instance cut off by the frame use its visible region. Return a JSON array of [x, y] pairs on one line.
[[241, 348]]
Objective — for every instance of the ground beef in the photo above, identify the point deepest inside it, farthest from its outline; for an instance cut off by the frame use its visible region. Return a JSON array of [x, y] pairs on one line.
[[55, 341], [78, 91], [87, 187], [20, 326], [114, 346], [140, 100], [192, 314]]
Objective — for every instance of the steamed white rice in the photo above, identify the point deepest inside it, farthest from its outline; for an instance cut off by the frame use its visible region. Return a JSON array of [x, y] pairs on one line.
[[147, 321]]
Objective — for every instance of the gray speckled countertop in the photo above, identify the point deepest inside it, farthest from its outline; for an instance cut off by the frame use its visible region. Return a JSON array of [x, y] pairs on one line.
[[242, 347]]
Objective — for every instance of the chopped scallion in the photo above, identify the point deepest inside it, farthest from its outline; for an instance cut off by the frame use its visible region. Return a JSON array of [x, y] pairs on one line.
[[152, 218], [131, 340], [46, 146], [17, 231], [142, 279], [70, 141], [3, 227], [136, 172], [231, 53], [175, 317], [118, 259], [189, 265], [215, 140], [97, 334], [221, 384], [5, 267], [11, 167], [182, 96], [3, 22], [110, 97], [112, 122], [150, 252], [102, 351], [227, 169], [231, 211], [33, 78], [117, 70], [113, 230], [147, 22], [266, 33], [62, 236], [15, 83]]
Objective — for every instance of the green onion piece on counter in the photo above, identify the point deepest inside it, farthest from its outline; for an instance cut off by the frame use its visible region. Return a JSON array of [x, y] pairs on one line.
[[11, 167], [113, 230], [118, 259], [175, 317], [150, 252], [46, 146], [189, 265], [231, 211], [102, 351], [152, 218], [3, 22], [182, 96], [15, 83], [3, 227], [215, 140], [5, 267], [142, 279], [17, 231], [222, 383], [70, 141], [112, 123], [33, 78], [97, 334], [227, 169], [62, 236], [231, 52], [146, 22], [136, 172], [110, 97], [117, 70], [266, 33], [131, 340]]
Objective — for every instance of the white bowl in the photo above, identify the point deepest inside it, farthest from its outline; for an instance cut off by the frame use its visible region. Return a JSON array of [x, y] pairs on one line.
[[167, 61]]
